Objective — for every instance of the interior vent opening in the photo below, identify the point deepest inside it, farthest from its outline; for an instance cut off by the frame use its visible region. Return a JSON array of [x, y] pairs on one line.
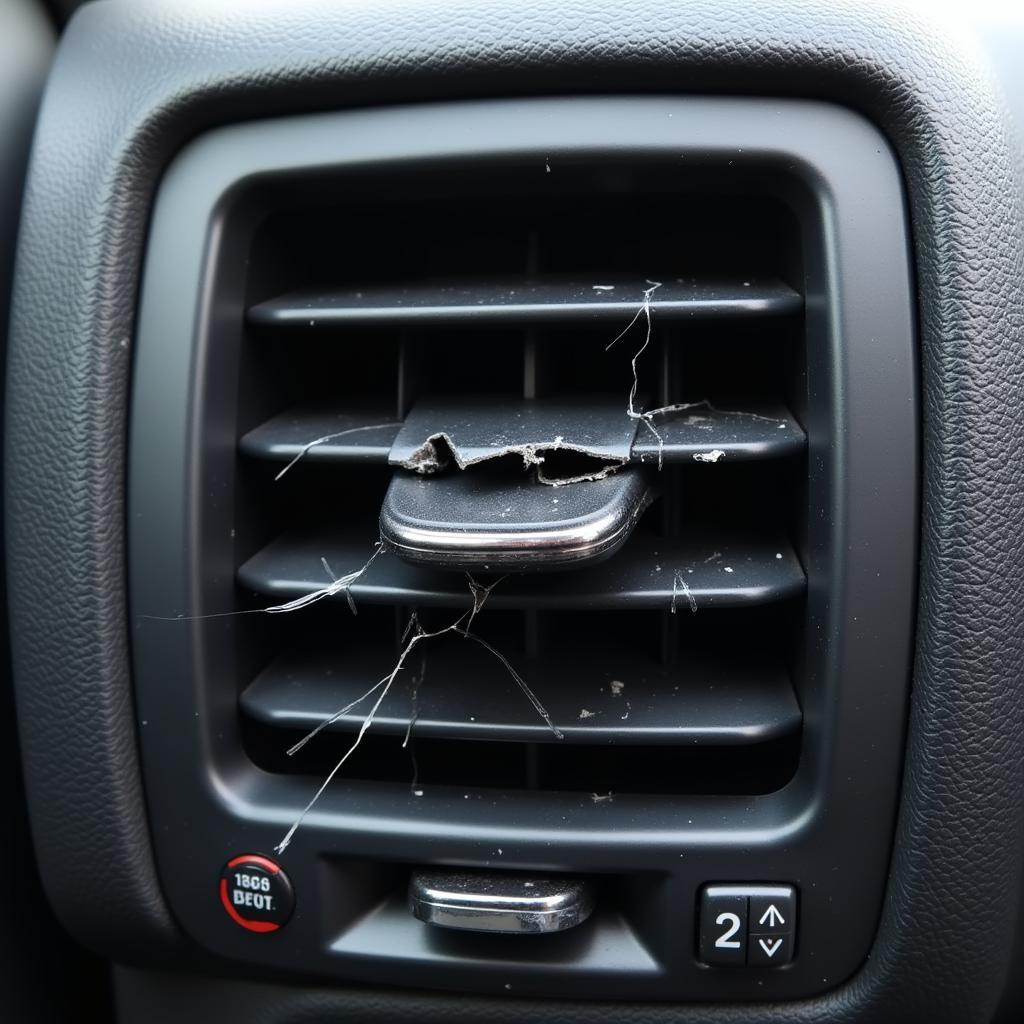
[[356, 313]]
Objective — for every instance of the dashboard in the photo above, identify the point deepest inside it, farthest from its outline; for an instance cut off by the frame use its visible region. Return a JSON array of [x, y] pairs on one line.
[[515, 510]]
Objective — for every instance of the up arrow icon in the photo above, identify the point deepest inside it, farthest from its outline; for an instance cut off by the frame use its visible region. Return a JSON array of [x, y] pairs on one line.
[[772, 917]]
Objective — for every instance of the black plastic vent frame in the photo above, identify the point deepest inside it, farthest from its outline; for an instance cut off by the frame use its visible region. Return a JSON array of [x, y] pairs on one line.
[[357, 263]]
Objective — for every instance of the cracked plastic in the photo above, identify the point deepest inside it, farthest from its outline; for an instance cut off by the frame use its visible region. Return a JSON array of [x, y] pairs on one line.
[[441, 431]]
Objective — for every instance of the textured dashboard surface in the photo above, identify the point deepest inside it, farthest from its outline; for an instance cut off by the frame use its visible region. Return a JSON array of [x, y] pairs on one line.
[[134, 81]]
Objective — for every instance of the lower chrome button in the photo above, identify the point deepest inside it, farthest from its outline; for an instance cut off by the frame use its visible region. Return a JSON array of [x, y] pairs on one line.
[[511, 904]]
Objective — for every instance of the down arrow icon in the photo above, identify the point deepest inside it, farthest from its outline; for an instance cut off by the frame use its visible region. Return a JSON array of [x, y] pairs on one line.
[[770, 948]]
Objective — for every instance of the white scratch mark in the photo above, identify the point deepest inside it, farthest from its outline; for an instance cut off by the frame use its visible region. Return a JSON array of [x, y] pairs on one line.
[[704, 403], [418, 635], [331, 437], [712, 456], [678, 583], [338, 585], [643, 311], [480, 594], [530, 695], [647, 417], [414, 700]]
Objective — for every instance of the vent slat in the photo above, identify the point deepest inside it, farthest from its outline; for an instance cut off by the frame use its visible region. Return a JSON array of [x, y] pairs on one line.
[[755, 430], [510, 303], [707, 702], [743, 433], [368, 434], [716, 571]]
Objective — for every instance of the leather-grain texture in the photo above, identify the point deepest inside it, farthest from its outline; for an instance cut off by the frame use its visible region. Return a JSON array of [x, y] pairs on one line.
[[43, 974], [134, 81]]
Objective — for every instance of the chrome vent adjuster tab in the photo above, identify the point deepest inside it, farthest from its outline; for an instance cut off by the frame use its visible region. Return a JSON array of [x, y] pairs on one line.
[[558, 492]]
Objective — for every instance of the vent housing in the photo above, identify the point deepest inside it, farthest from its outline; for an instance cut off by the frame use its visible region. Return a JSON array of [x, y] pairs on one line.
[[354, 265]]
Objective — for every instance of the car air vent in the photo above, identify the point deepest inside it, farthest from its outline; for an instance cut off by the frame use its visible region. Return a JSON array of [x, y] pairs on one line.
[[616, 397], [667, 667]]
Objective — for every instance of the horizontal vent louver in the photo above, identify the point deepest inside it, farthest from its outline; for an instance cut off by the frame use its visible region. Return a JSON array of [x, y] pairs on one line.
[[680, 643]]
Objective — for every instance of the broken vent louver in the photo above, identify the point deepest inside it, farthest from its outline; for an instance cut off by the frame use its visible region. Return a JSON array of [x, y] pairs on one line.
[[485, 407]]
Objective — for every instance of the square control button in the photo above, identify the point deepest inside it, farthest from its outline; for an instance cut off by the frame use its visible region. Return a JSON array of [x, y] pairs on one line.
[[723, 926], [747, 925], [772, 909]]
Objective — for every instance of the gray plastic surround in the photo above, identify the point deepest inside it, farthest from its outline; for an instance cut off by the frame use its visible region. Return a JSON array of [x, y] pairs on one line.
[[841, 178]]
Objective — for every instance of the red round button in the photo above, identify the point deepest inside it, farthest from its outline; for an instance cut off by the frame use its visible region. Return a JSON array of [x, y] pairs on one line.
[[255, 893]]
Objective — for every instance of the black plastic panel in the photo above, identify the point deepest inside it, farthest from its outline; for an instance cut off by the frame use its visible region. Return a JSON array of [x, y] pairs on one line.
[[652, 852]]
